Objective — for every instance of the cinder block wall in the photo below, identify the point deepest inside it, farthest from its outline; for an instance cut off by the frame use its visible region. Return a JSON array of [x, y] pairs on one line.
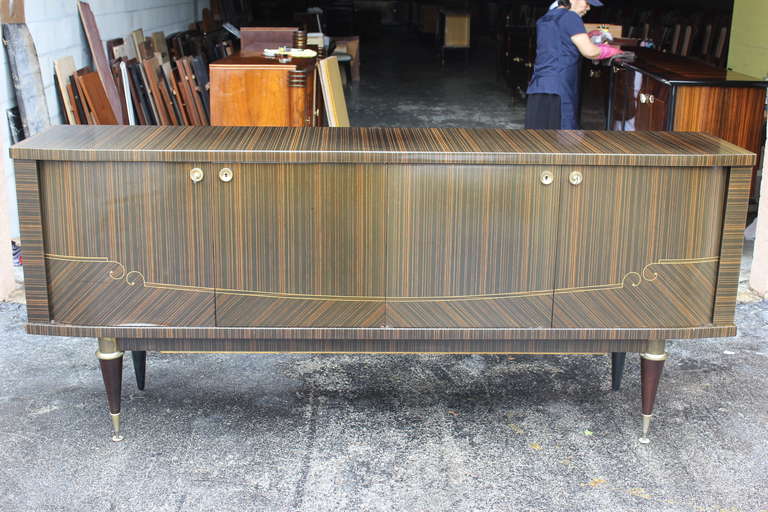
[[57, 32]]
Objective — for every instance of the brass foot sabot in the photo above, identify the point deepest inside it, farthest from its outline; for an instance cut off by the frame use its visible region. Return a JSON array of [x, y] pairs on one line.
[[646, 428], [116, 435]]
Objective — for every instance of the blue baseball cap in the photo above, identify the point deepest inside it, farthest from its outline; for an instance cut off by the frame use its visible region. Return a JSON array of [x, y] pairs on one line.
[[593, 3]]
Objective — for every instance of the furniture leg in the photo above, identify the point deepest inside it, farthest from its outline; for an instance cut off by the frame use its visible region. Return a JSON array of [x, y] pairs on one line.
[[651, 366], [111, 362], [139, 366], [617, 369]]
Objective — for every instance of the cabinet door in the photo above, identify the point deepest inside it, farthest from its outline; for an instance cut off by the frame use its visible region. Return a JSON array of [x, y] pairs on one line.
[[639, 247], [470, 246], [301, 245], [126, 244], [625, 87], [652, 102]]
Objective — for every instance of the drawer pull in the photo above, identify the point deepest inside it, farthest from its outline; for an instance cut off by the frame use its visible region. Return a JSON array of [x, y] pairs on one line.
[[547, 178], [225, 174], [575, 178], [196, 175]]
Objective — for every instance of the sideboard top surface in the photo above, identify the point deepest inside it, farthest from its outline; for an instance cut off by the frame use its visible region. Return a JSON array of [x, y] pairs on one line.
[[378, 146], [679, 70]]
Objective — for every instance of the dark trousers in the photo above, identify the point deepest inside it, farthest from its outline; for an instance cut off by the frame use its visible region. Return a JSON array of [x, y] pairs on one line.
[[543, 112]]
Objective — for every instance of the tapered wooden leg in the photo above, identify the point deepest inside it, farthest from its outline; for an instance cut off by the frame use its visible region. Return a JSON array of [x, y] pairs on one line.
[[651, 366], [111, 362], [617, 369], [139, 366]]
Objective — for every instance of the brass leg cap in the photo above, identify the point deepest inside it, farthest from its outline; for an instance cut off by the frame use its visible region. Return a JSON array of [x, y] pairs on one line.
[[116, 436], [646, 427]]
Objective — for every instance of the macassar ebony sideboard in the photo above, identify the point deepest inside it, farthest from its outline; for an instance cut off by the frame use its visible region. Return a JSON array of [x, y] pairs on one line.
[[377, 240]]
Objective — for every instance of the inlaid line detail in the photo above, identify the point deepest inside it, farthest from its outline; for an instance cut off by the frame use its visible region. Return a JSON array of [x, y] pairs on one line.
[[131, 278]]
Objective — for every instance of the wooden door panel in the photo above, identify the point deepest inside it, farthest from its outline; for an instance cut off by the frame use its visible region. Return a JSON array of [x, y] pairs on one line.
[[470, 246], [639, 247], [127, 244], [651, 99], [301, 245], [250, 97]]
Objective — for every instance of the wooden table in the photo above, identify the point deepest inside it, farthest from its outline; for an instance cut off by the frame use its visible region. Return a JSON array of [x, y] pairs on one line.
[[212, 239]]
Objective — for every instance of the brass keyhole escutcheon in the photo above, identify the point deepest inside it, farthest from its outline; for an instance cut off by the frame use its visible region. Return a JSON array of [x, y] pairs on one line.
[[547, 178], [226, 174], [196, 175], [575, 178]]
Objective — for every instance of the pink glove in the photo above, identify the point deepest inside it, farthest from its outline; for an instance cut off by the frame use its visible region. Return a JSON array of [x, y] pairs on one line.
[[607, 51]]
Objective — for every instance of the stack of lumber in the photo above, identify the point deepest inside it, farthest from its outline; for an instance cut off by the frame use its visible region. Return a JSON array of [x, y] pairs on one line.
[[139, 79]]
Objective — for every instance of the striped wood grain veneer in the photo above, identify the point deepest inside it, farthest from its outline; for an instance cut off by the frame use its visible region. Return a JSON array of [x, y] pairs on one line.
[[381, 234], [31, 227], [732, 243], [378, 145]]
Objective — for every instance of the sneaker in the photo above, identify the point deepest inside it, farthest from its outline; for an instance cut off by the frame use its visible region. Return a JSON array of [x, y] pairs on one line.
[[16, 251]]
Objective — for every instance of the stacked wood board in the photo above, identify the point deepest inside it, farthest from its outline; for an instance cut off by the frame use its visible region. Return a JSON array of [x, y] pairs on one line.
[[140, 79]]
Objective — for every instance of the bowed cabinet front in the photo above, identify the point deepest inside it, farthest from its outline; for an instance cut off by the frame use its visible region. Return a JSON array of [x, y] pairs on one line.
[[348, 245]]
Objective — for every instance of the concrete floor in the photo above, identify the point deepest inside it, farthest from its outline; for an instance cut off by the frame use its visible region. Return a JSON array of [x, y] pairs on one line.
[[375, 432]]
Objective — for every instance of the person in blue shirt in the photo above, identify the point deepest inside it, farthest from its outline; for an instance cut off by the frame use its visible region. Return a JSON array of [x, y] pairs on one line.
[[561, 42]]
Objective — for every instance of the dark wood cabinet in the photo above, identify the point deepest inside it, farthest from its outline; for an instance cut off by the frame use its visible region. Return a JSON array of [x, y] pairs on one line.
[[660, 91], [237, 239]]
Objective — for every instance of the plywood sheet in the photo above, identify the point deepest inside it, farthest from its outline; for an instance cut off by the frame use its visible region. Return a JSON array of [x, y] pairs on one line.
[[333, 92], [65, 68]]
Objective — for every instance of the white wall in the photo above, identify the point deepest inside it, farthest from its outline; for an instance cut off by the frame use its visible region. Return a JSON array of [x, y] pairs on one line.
[[57, 32]]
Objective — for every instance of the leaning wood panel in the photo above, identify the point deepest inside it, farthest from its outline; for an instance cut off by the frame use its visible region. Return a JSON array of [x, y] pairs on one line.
[[732, 243], [654, 261], [31, 226], [125, 244], [100, 61], [65, 68], [470, 246], [304, 245], [27, 80]]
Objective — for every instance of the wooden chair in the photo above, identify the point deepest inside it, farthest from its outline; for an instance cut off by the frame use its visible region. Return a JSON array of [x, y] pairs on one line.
[[350, 45], [685, 47], [719, 53], [706, 41], [675, 45]]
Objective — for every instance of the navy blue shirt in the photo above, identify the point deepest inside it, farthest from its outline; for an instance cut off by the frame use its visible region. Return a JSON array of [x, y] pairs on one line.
[[558, 62]]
